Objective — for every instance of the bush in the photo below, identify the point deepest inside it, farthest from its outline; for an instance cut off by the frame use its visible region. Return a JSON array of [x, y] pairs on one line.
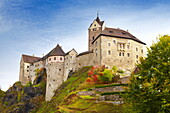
[[103, 75]]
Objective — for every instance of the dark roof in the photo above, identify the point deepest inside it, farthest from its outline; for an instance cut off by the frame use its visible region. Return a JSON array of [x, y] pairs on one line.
[[98, 21], [57, 51], [112, 32], [83, 53], [29, 59]]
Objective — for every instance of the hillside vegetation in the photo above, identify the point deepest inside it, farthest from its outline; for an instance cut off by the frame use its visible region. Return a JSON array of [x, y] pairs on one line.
[[24, 99], [77, 95]]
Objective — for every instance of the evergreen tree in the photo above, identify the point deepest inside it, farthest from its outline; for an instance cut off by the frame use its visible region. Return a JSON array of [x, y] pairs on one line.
[[149, 90]]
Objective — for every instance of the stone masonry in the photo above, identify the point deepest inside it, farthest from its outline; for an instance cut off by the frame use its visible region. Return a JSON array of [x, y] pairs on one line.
[[106, 46]]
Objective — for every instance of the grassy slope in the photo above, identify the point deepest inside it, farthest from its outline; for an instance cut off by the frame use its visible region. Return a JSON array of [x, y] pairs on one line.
[[67, 101]]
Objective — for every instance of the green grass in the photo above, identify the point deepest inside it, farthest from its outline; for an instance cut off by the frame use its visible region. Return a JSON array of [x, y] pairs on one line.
[[112, 93], [64, 91]]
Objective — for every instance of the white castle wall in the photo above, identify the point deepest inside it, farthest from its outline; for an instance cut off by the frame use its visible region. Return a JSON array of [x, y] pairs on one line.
[[55, 74]]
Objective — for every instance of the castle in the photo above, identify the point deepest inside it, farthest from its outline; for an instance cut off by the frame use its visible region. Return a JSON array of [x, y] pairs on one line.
[[106, 46]]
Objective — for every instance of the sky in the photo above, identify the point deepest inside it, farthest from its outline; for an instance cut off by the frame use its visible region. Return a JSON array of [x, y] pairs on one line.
[[34, 27]]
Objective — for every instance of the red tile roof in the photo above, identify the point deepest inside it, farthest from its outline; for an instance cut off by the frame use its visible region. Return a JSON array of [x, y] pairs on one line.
[[29, 59]]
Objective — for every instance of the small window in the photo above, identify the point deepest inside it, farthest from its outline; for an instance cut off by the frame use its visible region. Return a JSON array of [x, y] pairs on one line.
[[59, 69], [61, 58], [54, 58], [93, 37], [53, 80], [27, 66], [136, 49], [136, 56], [49, 59], [94, 24], [123, 54], [28, 76], [127, 46], [128, 54], [136, 61], [49, 85], [109, 52], [119, 53], [79, 64], [114, 41], [108, 44], [96, 43], [141, 50], [27, 70]]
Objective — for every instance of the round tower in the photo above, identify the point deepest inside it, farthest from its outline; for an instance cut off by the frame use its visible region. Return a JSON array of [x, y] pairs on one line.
[[55, 71]]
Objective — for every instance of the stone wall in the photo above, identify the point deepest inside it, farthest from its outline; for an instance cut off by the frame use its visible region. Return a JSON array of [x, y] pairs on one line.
[[84, 60], [120, 52], [55, 73], [70, 63]]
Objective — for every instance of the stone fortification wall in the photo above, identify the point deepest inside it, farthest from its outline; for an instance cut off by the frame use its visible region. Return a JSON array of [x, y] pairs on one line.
[[55, 72], [84, 60]]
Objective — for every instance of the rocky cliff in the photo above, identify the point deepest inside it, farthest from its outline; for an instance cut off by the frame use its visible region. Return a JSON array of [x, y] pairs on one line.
[[24, 99]]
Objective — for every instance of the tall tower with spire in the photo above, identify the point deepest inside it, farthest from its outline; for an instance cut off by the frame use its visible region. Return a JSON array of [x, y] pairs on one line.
[[94, 30]]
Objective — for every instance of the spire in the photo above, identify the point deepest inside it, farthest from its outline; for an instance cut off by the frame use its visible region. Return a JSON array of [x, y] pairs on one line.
[[97, 13]]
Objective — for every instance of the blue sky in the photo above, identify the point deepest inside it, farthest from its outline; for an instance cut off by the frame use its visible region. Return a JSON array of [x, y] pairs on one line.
[[36, 26]]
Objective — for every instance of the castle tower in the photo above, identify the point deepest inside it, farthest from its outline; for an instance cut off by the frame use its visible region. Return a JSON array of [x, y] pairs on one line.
[[55, 71], [94, 30]]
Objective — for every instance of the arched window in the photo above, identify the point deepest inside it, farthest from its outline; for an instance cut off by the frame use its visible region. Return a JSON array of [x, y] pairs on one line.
[[54, 58], [61, 58]]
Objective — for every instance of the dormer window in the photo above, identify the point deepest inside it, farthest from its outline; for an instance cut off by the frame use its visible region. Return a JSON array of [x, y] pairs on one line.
[[110, 31]]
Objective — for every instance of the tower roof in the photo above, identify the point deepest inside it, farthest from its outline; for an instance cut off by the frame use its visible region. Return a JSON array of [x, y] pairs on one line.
[[99, 22], [57, 51]]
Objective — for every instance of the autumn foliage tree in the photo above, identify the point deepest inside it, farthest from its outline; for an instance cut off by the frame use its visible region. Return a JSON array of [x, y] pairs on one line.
[[103, 75], [149, 91]]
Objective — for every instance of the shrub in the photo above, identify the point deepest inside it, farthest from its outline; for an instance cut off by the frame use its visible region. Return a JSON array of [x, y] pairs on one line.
[[103, 75]]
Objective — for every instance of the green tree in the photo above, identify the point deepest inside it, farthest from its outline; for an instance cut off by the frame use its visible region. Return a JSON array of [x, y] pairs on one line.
[[149, 90]]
